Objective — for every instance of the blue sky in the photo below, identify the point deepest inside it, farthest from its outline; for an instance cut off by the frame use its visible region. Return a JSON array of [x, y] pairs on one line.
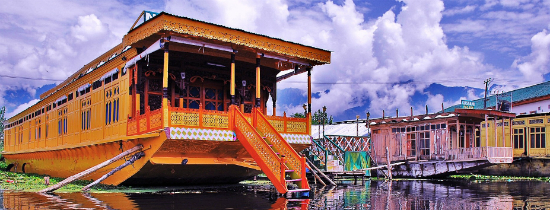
[[387, 54]]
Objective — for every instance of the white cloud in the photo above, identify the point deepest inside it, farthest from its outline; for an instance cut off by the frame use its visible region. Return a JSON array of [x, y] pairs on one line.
[[459, 11], [89, 27], [536, 64], [20, 108]]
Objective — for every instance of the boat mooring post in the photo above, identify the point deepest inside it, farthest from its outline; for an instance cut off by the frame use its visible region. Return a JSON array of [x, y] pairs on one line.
[[389, 163]]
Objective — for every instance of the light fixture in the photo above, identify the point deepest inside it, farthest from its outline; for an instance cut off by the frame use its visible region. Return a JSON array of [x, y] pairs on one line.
[[215, 64], [243, 83], [283, 59], [201, 44]]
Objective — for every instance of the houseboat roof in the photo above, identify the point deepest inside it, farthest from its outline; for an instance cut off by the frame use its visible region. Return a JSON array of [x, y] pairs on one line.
[[519, 96], [470, 113], [164, 24]]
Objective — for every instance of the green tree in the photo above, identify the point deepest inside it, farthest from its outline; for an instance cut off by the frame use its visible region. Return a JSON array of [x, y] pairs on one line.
[[2, 119], [298, 115]]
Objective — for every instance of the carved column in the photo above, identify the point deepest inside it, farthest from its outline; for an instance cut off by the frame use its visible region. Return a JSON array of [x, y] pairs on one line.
[[258, 84], [165, 83], [308, 89], [232, 86], [274, 98], [308, 117]]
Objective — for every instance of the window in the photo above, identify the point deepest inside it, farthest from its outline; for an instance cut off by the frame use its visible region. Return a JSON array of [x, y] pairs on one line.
[[85, 114], [424, 145], [411, 144], [47, 126], [62, 124], [116, 106], [538, 137], [518, 138]]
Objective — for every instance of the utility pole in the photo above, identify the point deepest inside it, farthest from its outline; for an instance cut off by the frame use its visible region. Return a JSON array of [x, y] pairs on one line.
[[486, 82]]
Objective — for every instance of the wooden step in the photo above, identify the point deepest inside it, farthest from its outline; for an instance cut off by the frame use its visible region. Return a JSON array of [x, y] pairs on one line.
[[298, 190], [293, 180]]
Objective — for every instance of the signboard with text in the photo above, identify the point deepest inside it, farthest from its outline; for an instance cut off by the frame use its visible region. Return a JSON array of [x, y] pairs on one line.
[[466, 104]]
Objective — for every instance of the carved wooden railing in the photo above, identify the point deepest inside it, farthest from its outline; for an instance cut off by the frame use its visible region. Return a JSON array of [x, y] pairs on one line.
[[479, 153], [265, 157], [147, 122], [286, 124], [199, 118], [293, 160]]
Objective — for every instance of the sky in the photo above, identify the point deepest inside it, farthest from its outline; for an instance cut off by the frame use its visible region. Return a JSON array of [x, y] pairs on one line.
[[386, 54]]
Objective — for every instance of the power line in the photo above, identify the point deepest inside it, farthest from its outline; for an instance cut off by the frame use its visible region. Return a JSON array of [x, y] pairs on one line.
[[30, 78]]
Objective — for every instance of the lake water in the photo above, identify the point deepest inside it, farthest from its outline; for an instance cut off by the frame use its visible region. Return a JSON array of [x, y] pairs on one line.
[[413, 194]]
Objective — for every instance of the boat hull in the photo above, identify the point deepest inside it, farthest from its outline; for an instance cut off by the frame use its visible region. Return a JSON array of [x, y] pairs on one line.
[[166, 162]]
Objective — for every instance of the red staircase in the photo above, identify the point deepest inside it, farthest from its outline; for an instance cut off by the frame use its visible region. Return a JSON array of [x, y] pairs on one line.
[[272, 153]]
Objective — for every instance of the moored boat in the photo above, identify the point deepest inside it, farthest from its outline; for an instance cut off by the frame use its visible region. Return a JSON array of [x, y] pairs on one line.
[[192, 93]]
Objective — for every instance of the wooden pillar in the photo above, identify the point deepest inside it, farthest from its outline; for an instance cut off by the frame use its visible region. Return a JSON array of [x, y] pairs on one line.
[[495, 128], [457, 133], [232, 83], [511, 132], [503, 134], [274, 98], [165, 84], [308, 87], [486, 132], [308, 124], [258, 84]]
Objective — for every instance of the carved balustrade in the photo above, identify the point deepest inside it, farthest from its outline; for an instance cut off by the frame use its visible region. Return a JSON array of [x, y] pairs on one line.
[[147, 122], [284, 124]]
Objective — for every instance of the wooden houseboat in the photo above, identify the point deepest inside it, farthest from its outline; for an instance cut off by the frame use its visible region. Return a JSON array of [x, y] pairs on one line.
[[530, 145], [436, 144], [192, 93]]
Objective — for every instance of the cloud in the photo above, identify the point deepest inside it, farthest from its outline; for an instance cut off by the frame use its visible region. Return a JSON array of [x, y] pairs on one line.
[[89, 27], [20, 108], [536, 64], [459, 11], [48, 41]]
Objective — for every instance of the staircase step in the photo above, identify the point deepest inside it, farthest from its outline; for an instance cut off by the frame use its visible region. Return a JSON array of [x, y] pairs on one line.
[[288, 171], [293, 180], [298, 190]]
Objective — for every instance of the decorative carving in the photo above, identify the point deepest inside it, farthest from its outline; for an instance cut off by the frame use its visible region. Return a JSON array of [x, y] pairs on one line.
[[259, 145], [278, 142], [194, 28], [296, 127]]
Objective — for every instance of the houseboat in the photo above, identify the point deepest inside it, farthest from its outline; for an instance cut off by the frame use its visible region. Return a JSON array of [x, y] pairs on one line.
[[441, 143], [531, 149], [192, 94]]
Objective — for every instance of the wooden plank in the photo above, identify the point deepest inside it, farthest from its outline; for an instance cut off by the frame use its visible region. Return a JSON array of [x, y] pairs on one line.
[[91, 170]]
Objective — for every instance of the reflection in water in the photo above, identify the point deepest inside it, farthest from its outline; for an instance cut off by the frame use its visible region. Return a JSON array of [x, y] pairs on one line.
[[412, 194]]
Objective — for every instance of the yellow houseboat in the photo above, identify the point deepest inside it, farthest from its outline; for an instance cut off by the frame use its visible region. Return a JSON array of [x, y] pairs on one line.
[[192, 93]]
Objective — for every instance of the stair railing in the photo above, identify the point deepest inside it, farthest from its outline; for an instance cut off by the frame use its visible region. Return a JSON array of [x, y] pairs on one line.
[[293, 160], [265, 157], [335, 148]]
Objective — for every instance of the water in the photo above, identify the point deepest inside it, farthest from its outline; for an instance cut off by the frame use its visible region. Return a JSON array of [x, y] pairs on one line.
[[413, 194]]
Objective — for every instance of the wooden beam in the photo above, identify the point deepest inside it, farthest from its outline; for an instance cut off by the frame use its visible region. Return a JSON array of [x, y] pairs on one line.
[[91, 170]]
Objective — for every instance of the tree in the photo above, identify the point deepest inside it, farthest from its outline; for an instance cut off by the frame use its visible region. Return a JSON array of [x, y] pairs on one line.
[[298, 115], [2, 119]]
